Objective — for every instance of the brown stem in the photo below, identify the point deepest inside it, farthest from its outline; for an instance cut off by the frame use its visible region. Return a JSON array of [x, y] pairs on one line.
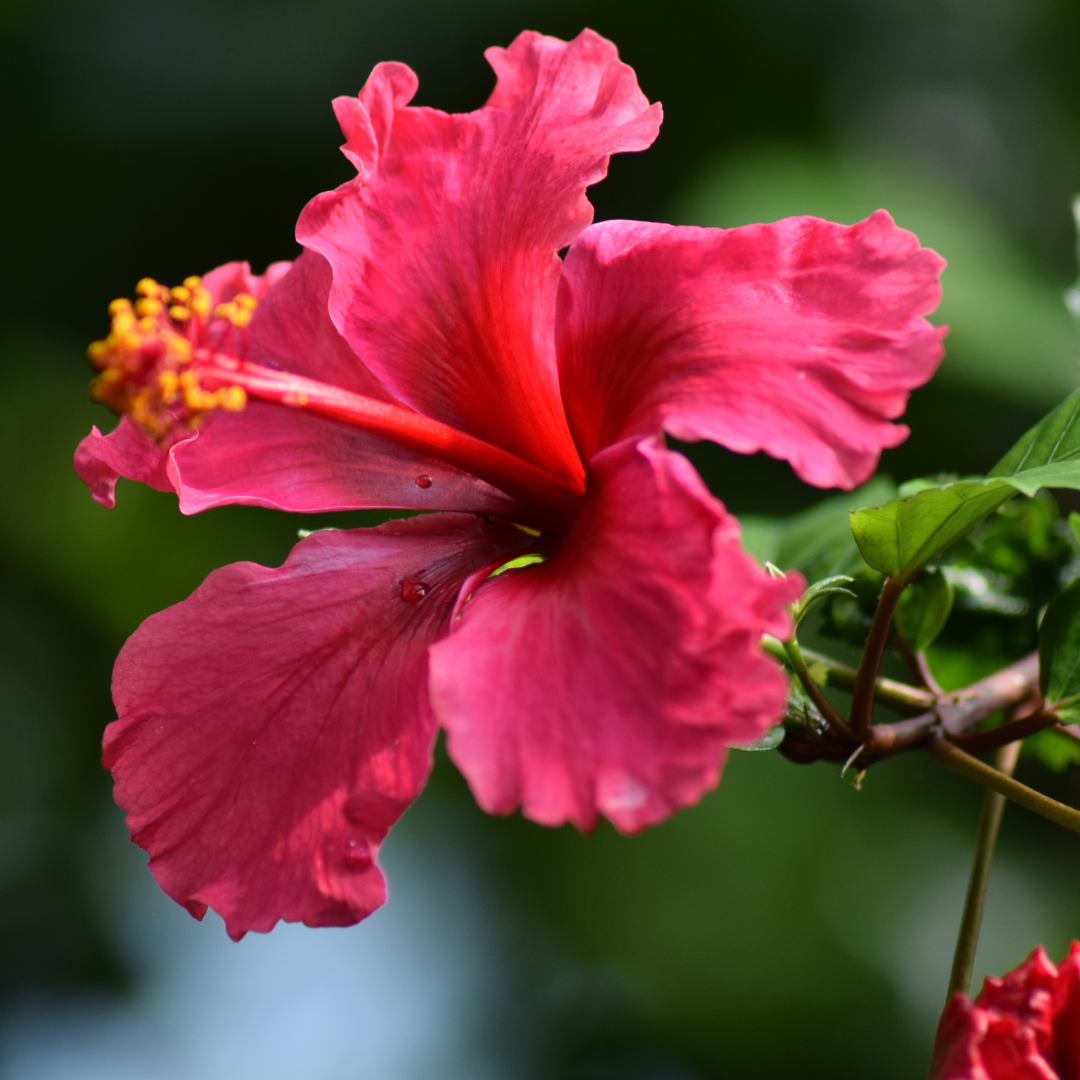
[[965, 708], [959, 711], [979, 742], [954, 758], [862, 696]]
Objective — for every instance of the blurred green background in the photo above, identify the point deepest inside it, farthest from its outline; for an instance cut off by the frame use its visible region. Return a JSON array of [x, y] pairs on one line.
[[789, 925]]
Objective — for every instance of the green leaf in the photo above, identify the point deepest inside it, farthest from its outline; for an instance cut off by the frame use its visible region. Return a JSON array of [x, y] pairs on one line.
[[1054, 749], [1059, 653], [1053, 442], [923, 609], [769, 741], [818, 541], [1074, 524], [902, 536], [829, 586]]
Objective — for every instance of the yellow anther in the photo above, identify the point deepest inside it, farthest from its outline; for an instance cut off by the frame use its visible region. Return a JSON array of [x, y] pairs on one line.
[[232, 398], [246, 300], [168, 382], [224, 311], [195, 397], [149, 367], [179, 347], [200, 303]]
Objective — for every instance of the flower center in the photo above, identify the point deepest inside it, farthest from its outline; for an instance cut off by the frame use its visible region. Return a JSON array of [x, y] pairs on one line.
[[169, 360]]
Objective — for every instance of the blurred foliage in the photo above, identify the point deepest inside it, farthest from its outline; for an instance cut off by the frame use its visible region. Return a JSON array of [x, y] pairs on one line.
[[744, 937]]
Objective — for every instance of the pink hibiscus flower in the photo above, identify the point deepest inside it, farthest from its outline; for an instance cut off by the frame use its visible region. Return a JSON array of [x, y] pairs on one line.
[[431, 350], [1023, 1026]]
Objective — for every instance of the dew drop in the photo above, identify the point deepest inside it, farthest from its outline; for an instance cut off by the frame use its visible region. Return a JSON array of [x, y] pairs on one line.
[[413, 590], [357, 855], [423, 481]]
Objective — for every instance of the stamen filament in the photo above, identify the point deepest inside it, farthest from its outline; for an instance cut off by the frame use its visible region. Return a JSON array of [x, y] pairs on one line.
[[556, 502]]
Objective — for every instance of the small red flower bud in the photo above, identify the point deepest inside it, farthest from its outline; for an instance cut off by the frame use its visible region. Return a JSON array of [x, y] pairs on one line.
[[1023, 1026]]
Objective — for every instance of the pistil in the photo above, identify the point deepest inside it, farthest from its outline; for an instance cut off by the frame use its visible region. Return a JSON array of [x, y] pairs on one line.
[[552, 501], [168, 361]]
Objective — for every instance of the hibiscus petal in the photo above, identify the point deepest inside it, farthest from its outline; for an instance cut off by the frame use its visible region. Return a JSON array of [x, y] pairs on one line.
[[224, 282], [270, 456], [611, 677], [274, 725], [1065, 1052], [292, 330], [444, 247], [960, 1032], [100, 460], [801, 338]]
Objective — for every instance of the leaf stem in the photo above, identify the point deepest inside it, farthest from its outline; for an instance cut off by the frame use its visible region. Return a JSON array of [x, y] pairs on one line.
[[970, 923], [862, 695], [798, 664], [954, 758], [897, 696]]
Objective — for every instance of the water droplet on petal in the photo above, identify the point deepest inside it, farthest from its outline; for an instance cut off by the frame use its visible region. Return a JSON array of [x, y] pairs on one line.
[[357, 855], [423, 481], [413, 590]]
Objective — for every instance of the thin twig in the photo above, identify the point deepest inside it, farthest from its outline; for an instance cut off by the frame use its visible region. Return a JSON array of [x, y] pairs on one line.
[[825, 706], [1071, 731], [862, 695], [989, 825], [979, 742], [895, 696], [965, 708], [954, 758]]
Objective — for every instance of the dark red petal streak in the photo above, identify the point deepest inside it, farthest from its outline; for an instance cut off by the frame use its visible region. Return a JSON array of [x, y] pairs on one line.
[[275, 724], [801, 338], [610, 678], [444, 247]]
